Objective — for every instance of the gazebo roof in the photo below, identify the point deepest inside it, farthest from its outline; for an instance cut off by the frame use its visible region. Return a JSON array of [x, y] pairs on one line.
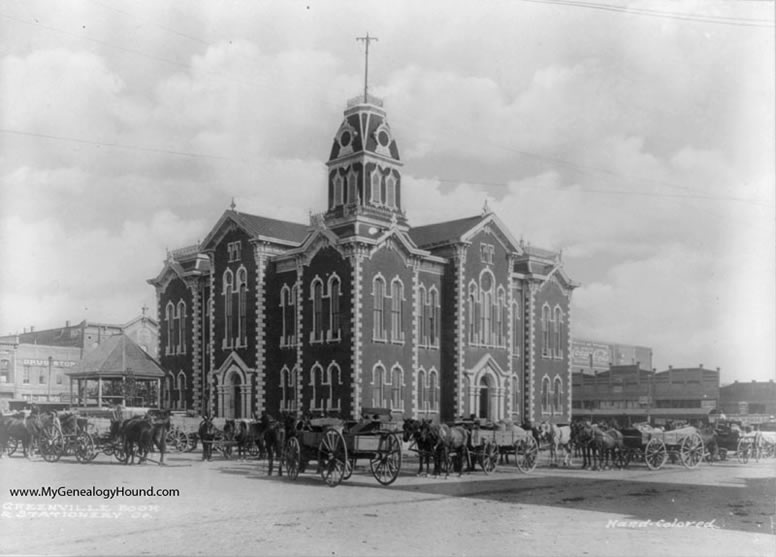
[[117, 356]]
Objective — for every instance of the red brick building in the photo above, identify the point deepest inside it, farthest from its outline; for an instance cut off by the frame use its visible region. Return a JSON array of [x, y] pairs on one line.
[[358, 309]]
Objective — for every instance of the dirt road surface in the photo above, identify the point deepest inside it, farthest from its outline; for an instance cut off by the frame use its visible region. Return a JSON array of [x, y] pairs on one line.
[[228, 507]]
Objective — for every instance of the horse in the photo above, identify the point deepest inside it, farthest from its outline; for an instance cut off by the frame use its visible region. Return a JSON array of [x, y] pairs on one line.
[[230, 431], [582, 436], [207, 433], [608, 443], [710, 444], [273, 435], [427, 440], [455, 442], [22, 427], [246, 437], [144, 432], [559, 438]]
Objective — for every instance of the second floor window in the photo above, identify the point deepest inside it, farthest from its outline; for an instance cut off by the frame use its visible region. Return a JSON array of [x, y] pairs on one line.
[[397, 303], [378, 311], [334, 308], [317, 299], [234, 251]]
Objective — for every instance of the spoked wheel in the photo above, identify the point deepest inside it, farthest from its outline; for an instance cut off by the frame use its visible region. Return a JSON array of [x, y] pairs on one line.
[[332, 457], [386, 463], [691, 451], [119, 453], [52, 445], [489, 457], [526, 454], [84, 448], [743, 449], [191, 442], [11, 446], [656, 454], [292, 458], [253, 450], [351, 465]]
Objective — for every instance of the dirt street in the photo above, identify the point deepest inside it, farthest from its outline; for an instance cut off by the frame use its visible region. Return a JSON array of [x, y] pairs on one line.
[[233, 508]]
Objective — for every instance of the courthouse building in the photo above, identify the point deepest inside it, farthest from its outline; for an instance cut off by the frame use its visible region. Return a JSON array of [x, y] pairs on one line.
[[359, 309]]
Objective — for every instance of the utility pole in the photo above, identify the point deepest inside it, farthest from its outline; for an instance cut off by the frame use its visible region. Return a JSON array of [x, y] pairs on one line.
[[366, 40]]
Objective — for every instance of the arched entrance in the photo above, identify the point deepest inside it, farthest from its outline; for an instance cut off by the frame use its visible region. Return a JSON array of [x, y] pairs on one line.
[[234, 397], [484, 406]]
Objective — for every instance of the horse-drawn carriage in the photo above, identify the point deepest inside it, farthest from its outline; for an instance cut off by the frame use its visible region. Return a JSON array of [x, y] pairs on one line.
[[337, 446], [655, 446], [65, 434], [489, 443]]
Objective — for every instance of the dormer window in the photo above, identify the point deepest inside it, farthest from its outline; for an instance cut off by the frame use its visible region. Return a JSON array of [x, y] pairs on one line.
[[390, 192], [234, 248]]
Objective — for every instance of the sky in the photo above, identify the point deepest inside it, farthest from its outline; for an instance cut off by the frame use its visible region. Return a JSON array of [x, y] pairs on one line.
[[636, 137]]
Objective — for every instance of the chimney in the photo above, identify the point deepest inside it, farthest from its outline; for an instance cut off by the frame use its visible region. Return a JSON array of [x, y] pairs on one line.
[[700, 366], [670, 367], [67, 323], [32, 329]]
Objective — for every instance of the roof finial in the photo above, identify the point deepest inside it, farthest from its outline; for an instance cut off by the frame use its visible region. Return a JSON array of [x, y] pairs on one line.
[[366, 40], [233, 205], [485, 208]]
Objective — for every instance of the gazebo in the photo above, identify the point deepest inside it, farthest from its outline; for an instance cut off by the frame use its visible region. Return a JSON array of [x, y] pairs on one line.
[[117, 371]]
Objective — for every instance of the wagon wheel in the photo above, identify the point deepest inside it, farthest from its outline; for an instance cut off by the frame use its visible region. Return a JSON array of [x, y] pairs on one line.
[[253, 450], [84, 448], [191, 442], [119, 453], [386, 462], [691, 451], [526, 454], [332, 457], [292, 457], [743, 449], [52, 445], [182, 441], [351, 465], [656, 454], [11, 446], [488, 457], [723, 453]]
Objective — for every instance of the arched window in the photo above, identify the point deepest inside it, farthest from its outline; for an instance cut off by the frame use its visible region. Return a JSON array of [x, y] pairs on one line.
[[422, 402], [397, 303], [285, 315], [473, 314], [176, 330], [288, 389], [516, 330], [320, 394], [501, 318], [557, 398], [397, 389], [423, 306], [181, 391], [515, 395], [334, 308], [433, 391], [378, 386], [487, 303], [338, 190], [182, 327], [557, 325], [169, 315], [390, 192], [433, 317], [242, 307], [228, 308], [546, 330], [546, 395], [317, 298], [374, 196], [352, 188], [378, 304], [333, 377]]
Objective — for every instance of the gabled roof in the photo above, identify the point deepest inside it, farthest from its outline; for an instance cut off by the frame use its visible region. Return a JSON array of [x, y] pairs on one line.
[[442, 233], [256, 226], [118, 355]]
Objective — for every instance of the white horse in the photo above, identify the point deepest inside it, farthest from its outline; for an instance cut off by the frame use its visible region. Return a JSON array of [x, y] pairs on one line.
[[559, 438]]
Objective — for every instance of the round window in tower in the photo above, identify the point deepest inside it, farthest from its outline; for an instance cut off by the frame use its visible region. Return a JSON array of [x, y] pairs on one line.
[[345, 139], [383, 138]]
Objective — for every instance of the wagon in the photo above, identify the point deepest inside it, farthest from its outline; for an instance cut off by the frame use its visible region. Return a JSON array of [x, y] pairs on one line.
[[67, 435], [337, 445], [655, 446], [488, 444]]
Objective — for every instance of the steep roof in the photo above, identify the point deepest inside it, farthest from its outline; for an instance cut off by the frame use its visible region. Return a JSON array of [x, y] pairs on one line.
[[117, 355], [442, 232], [256, 225]]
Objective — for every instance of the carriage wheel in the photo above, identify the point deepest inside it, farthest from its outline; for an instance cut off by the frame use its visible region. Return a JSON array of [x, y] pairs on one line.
[[526, 454], [489, 457], [11, 446], [84, 448], [656, 454], [52, 445], [253, 450], [292, 458], [182, 441], [332, 457], [351, 465], [743, 449], [191, 442], [691, 451], [386, 463], [119, 453]]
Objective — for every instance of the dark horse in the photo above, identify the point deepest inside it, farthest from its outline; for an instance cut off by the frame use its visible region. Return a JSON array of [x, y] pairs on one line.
[[582, 438], [427, 441], [272, 436], [455, 441], [140, 434], [609, 444], [207, 434], [22, 428], [246, 438]]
